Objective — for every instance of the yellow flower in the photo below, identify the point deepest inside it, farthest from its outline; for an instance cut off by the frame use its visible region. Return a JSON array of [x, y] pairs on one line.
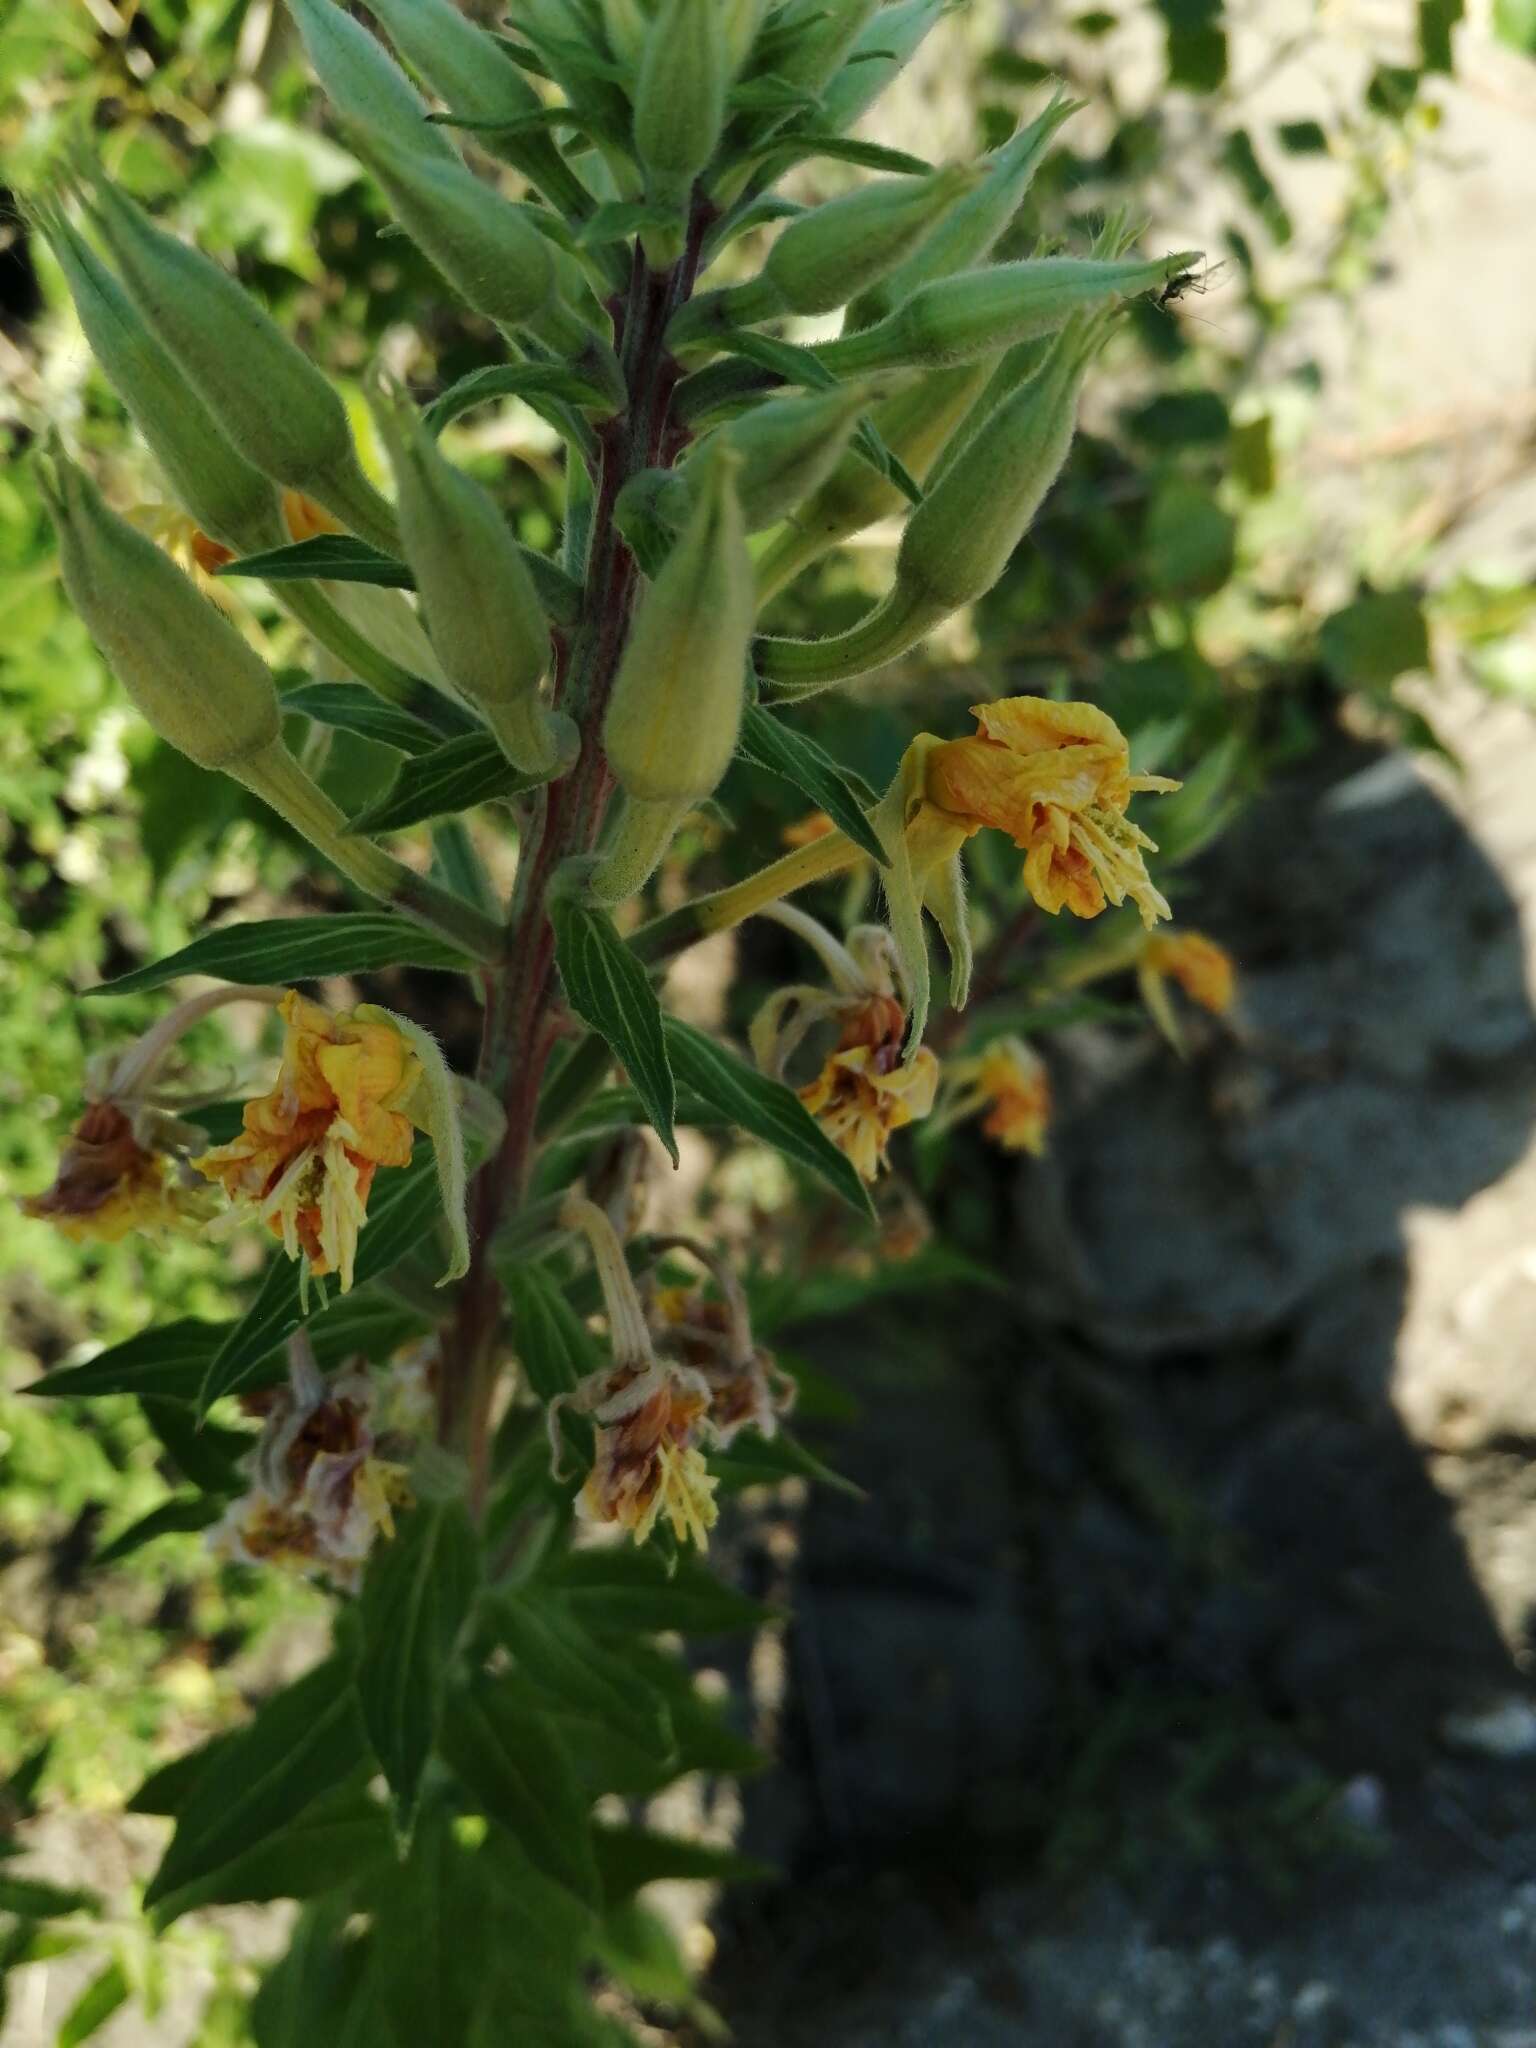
[[341, 1109], [1057, 779], [1202, 969], [108, 1183], [1009, 1081], [864, 1092]]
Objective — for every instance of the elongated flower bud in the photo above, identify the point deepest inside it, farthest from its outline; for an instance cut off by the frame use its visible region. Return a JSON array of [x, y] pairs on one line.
[[267, 396], [959, 319], [226, 496], [973, 228], [484, 616], [472, 75], [958, 541], [882, 48], [679, 106], [677, 700], [829, 255], [180, 660], [498, 263], [363, 84], [787, 448], [816, 39]]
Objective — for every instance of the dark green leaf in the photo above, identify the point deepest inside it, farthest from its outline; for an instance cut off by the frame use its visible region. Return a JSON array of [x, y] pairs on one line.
[[167, 1790], [784, 358], [29, 1898], [557, 1657], [1392, 91], [302, 1743], [1241, 159], [1180, 419], [641, 1950], [623, 1589], [616, 220], [288, 949], [332, 557], [405, 1204], [208, 1457], [763, 1461], [316, 1986], [330, 1844], [1197, 58], [173, 1360], [848, 149], [1370, 643], [765, 1109], [453, 777], [613, 995], [107, 1990], [1303, 138], [705, 1739], [629, 1858], [553, 1344], [1189, 541], [785, 751], [416, 1598], [178, 1517], [509, 380], [352, 708], [512, 1760], [18, 1792]]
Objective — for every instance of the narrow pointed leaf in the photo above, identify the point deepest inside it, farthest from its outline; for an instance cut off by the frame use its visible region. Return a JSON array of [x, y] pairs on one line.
[[289, 949], [416, 1598], [553, 1345], [623, 1590], [511, 1759], [764, 1108], [453, 777], [301, 1744], [30, 1898], [350, 707], [768, 742], [107, 1990], [331, 557], [614, 996], [331, 1843], [179, 1517], [629, 1858], [557, 1656]]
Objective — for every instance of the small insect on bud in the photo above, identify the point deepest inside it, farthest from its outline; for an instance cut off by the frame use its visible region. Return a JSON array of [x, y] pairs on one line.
[[685, 68], [974, 226], [677, 700], [363, 84], [787, 447], [224, 494], [828, 256], [266, 395], [187, 670], [482, 611], [960, 319], [492, 255]]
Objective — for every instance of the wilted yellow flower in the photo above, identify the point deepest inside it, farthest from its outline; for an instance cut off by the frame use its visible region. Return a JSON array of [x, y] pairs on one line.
[[713, 1336], [341, 1109], [1057, 779], [1202, 969], [108, 1183], [1009, 1081], [864, 1093], [807, 830]]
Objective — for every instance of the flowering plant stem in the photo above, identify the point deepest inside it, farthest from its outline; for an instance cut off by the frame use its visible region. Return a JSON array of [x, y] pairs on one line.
[[522, 1023]]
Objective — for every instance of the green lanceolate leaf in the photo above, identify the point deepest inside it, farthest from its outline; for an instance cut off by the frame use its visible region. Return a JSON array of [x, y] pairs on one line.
[[623, 1590], [288, 949], [29, 1898], [311, 1994], [510, 380], [352, 708], [785, 359], [453, 777], [178, 1517], [302, 1743], [167, 1790], [770, 743], [766, 1109], [331, 1843], [847, 149], [172, 1361], [330, 557], [762, 1461], [557, 1657], [553, 1345], [628, 1858], [107, 1990], [404, 1206], [416, 1598], [510, 1757], [613, 995]]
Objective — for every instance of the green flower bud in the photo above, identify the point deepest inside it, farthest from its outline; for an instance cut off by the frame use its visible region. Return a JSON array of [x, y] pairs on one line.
[[916, 424], [739, 23], [973, 228], [958, 541], [472, 75], [677, 700], [271, 401], [829, 255], [882, 48], [482, 611], [959, 319], [679, 109], [627, 24], [497, 262], [787, 447], [811, 39], [221, 490], [363, 84], [182, 663]]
